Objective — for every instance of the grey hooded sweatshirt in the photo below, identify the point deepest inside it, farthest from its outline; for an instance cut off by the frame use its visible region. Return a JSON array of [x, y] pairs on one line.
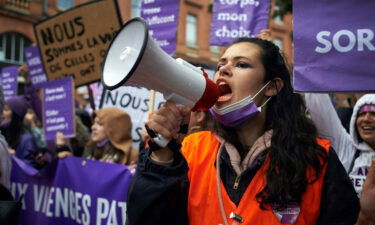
[[355, 155]]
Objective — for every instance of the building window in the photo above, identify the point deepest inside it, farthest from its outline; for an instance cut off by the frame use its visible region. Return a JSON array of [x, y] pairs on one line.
[[277, 19], [12, 47], [215, 49], [65, 4], [191, 30], [136, 8], [23, 4], [278, 42]]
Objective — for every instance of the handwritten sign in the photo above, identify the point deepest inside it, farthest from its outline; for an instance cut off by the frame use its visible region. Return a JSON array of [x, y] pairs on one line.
[[74, 42]]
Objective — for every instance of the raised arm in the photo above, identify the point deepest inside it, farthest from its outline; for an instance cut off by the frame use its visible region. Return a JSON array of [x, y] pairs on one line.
[[329, 126]]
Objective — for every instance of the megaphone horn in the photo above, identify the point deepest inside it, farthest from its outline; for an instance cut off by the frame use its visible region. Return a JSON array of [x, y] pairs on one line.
[[134, 59]]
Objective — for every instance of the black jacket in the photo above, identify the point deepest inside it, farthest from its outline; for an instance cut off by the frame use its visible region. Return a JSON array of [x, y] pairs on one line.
[[158, 193]]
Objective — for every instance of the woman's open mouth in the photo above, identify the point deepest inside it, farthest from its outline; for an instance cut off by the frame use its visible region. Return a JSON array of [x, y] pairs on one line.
[[225, 92]]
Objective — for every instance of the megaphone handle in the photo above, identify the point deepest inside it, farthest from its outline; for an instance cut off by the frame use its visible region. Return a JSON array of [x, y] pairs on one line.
[[157, 141], [160, 140]]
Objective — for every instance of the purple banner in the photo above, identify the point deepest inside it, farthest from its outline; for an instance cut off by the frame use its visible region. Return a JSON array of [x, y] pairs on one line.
[[9, 82], [162, 18], [72, 191], [35, 65], [334, 45], [234, 19], [58, 108]]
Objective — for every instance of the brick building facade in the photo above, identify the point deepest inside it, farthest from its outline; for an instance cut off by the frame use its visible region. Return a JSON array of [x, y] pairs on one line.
[[18, 16]]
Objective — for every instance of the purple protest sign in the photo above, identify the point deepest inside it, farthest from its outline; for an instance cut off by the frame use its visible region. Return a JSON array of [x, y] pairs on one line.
[[334, 45], [9, 82], [35, 65], [58, 108], [234, 19], [72, 191], [162, 18]]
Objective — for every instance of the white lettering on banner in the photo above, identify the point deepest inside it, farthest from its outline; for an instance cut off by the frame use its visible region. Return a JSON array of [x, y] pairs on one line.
[[225, 32], [54, 90], [49, 203], [363, 38], [55, 97], [148, 1], [52, 112], [19, 189], [232, 17], [158, 20], [61, 202], [57, 127], [151, 11], [34, 61], [73, 205], [104, 210], [162, 42], [38, 197], [243, 3]]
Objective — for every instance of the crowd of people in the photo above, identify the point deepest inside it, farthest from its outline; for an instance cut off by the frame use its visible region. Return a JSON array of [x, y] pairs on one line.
[[261, 155]]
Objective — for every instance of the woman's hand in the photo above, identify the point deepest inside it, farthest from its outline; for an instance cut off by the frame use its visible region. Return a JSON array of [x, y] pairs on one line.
[[60, 140], [166, 121], [63, 154]]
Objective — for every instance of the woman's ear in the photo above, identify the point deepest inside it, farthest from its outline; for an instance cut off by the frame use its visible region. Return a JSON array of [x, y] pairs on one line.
[[274, 87]]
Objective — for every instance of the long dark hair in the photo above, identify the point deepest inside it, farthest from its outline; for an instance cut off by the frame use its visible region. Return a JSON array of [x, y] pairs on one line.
[[14, 130], [294, 148]]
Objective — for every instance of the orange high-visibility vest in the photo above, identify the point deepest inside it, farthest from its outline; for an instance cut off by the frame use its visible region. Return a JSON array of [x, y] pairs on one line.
[[200, 150]]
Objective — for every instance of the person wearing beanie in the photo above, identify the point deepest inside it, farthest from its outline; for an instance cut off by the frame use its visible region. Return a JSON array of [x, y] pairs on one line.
[[20, 140], [356, 148], [111, 139]]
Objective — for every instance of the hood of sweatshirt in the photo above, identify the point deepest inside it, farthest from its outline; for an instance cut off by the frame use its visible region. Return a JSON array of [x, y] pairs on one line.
[[364, 100]]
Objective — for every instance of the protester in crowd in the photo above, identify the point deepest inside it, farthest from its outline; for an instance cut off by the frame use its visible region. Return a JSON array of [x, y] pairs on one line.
[[264, 166], [5, 160], [35, 127], [367, 213], [75, 145], [111, 139], [355, 149], [20, 141]]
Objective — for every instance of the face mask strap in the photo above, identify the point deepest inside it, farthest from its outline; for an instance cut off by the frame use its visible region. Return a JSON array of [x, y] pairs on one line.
[[261, 89], [265, 102]]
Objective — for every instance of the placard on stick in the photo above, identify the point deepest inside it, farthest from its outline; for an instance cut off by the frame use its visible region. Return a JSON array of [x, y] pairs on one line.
[[74, 43]]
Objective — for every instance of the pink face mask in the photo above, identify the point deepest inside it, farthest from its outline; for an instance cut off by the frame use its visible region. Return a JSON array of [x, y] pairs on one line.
[[238, 113]]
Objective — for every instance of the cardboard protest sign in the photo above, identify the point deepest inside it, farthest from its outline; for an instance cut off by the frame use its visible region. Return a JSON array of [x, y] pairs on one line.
[[162, 19], [74, 43], [334, 45], [35, 65], [234, 19], [9, 82], [58, 108]]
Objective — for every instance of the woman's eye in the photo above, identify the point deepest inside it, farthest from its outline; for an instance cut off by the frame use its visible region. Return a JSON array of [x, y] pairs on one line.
[[243, 65], [219, 66]]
